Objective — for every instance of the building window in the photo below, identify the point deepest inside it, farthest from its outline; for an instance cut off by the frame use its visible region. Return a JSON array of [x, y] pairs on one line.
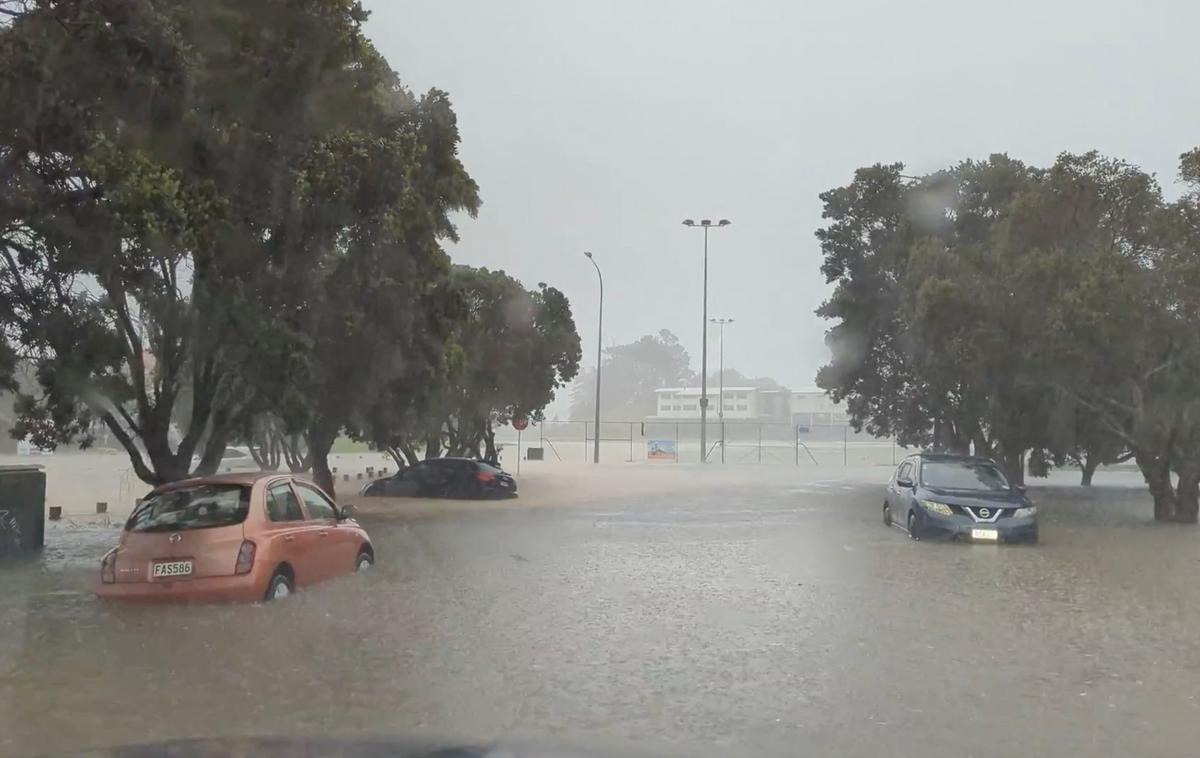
[[728, 406], [741, 407], [689, 407]]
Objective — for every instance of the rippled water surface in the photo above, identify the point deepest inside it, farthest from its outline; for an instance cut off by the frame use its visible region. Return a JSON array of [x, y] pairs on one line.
[[774, 617]]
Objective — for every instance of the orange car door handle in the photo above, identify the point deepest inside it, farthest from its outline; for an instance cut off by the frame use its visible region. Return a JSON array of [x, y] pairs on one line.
[[289, 538], [324, 534]]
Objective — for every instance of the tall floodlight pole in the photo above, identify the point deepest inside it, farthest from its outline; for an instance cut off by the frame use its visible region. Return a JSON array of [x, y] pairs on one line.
[[599, 351], [704, 224], [721, 322]]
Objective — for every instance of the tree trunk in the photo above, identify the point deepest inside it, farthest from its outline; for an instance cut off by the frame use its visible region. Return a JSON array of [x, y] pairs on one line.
[[210, 455], [1187, 497], [295, 452], [489, 439], [433, 445], [397, 456], [1090, 464], [948, 439], [410, 453], [1170, 504], [320, 442], [264, 443], [166, 464], [1013, 465]]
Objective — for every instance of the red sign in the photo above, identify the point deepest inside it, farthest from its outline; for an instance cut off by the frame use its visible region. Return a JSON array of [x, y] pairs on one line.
[[520, 423]]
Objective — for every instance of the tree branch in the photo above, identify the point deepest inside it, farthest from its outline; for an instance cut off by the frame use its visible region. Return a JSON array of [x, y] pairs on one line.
[[135, 456]]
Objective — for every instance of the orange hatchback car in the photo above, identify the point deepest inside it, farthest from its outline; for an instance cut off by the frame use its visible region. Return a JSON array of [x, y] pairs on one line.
[[254, 536]]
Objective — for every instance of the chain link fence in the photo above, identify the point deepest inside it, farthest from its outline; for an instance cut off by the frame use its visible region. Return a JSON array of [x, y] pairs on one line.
[[666, 442]]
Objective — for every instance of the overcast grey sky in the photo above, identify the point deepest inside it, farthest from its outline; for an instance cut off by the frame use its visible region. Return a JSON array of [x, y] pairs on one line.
[[600, 126]]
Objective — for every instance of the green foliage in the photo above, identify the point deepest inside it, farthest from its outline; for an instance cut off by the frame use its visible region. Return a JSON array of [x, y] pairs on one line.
[[507, 352], [630, 375], [207, 211], [1000, 308]]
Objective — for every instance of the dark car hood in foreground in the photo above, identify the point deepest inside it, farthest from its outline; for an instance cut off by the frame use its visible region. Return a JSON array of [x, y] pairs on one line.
[[284, 747], [974, 497]]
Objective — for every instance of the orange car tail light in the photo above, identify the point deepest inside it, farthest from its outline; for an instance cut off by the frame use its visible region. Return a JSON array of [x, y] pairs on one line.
[[245, 557], [485, 476], [108, 568]]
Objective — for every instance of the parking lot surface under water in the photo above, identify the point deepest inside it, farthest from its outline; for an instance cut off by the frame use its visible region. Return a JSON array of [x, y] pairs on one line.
[[768, 616]]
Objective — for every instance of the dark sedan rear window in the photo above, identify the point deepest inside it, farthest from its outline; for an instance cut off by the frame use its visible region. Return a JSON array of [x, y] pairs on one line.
[[200, 507], [961, 475], [487, 468]]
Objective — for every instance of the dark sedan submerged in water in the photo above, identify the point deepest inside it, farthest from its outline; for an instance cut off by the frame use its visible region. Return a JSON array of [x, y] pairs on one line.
[[958, 497], [445, 477]]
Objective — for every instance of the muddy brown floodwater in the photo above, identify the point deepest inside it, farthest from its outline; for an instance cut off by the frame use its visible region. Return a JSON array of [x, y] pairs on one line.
[[761, 612]]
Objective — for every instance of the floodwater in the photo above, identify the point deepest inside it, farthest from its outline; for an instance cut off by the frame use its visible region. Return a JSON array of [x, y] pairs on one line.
[[772, 616]]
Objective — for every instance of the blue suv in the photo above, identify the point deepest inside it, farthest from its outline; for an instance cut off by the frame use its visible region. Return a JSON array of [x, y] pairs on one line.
[[958, 497]]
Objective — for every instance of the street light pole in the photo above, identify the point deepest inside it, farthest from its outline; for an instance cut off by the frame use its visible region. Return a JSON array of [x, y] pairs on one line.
[[721, 322], [599, 351], [705, 224]]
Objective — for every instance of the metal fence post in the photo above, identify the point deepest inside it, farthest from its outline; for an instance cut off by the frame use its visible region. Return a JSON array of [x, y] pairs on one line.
[[845, 444], [796, 442], [893, 451], [585, 438], [631, 442], [677, 442], [760, 443]]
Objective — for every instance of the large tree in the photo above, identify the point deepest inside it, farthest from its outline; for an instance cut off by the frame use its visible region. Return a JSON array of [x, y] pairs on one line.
[[1131, 328], [201, 204], [508, 350], [907, 255], [371, 300], [630, 375], [1000, 309]]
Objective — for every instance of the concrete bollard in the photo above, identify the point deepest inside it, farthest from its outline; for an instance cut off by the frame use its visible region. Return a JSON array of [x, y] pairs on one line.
[[101, 507], [345, 477], [360, 475], [55, 512], [383, 470], [335, 469]]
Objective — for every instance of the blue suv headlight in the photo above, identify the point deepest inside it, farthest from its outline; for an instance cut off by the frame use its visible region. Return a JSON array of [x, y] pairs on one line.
[[1028, 512], [939, 508]]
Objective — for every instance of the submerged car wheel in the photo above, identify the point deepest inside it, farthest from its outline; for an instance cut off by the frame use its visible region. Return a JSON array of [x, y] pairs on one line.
[[912, 526], [365, 562], [280, 586], [887, 515]]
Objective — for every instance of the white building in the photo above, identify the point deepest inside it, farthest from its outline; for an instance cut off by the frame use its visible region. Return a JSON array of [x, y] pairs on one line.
[[683, 403], [812, 407], [807, 407]]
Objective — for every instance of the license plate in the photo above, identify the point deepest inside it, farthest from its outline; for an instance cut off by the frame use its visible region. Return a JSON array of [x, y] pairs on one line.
[[172, 568], [985, 534]]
